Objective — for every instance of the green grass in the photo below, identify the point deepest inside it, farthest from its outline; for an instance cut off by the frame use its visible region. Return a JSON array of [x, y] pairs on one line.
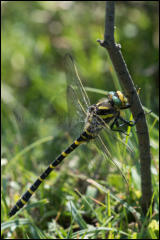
[[72, 203]]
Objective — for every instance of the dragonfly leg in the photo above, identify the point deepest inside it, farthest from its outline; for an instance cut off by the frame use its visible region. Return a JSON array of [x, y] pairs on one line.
[[125, 122], [130, 123], [115, 122]]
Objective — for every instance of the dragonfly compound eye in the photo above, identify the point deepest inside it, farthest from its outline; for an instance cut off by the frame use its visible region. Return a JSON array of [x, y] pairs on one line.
[[117, 102]]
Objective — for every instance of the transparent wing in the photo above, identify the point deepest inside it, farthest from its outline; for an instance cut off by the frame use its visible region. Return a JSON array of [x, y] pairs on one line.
[[116, 137], [74, 80], [102, 146], [76, 115], [77, 99]]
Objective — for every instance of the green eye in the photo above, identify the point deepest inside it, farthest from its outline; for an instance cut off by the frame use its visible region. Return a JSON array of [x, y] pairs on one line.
[[116, 101]]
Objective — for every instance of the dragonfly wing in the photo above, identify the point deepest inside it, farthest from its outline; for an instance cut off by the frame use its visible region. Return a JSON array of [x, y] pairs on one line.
[[76, 115], [74, 80], [116, 137], [106, 153], [77, 98]]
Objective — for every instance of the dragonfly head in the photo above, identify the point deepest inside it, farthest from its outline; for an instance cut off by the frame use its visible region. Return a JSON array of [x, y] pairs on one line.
[[118, 100]]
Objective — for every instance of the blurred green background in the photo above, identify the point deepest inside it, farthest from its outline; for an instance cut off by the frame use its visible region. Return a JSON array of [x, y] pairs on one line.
[[36, 35]]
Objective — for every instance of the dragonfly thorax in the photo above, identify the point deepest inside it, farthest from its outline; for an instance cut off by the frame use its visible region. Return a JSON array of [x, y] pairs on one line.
[[100, 114], [93, 123]]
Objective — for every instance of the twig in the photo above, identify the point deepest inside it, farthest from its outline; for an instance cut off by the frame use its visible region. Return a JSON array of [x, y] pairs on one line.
[[124, 76]]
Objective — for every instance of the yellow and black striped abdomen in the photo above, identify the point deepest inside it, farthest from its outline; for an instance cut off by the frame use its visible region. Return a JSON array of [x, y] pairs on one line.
[[84, 137]]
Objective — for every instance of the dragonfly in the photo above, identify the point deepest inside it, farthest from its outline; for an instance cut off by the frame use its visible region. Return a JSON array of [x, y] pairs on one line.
[[97, 117]]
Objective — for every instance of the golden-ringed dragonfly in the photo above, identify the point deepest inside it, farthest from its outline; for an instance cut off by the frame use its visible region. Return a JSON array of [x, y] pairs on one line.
[[98, 116]]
